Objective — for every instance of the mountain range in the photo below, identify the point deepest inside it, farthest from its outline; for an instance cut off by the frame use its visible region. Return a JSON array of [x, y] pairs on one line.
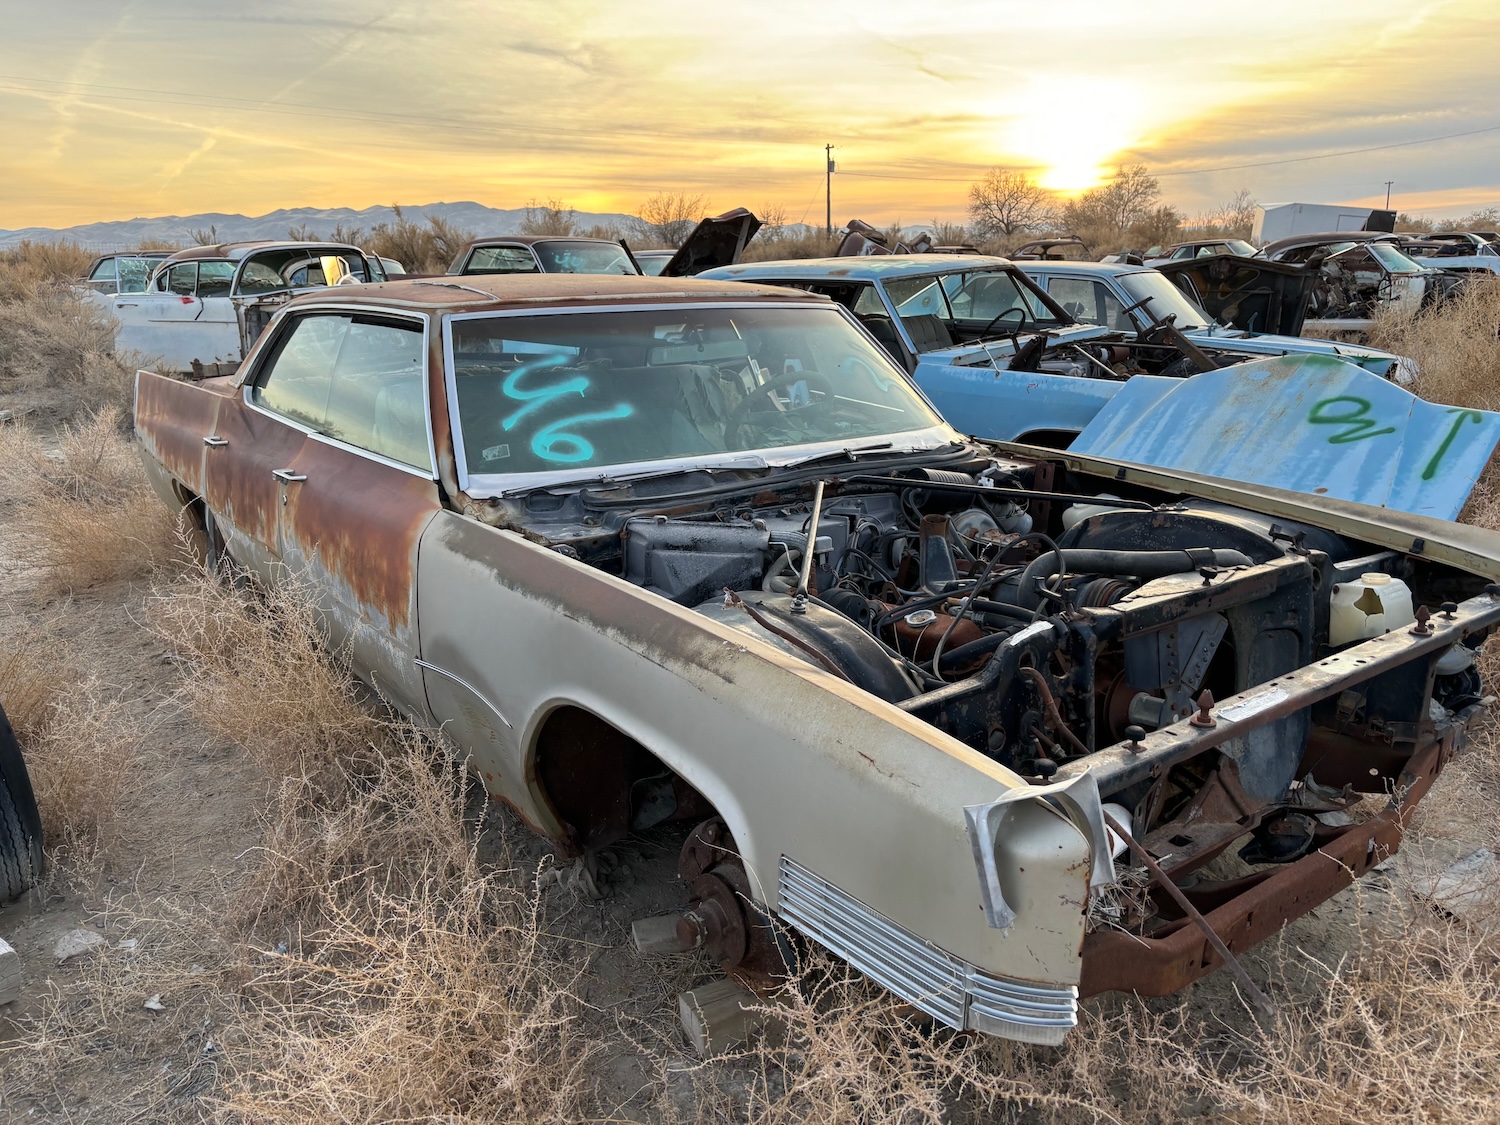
[[129, 233]]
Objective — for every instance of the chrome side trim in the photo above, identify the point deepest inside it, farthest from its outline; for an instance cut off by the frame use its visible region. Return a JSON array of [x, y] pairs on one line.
[[946, 988], [457, 679]]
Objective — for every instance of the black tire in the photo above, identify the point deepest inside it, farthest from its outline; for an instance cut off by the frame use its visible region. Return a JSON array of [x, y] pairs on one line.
[[20, 822]]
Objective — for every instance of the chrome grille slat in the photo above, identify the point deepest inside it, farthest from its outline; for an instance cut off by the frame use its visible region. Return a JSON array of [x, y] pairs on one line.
[[927, 977]]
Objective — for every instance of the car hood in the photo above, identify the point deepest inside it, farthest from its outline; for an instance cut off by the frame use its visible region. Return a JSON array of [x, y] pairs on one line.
[[1307, 423], [1255, 294], [716, 241]]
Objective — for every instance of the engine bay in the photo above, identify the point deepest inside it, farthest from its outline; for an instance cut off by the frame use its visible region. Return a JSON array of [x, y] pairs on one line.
[[1046, 628]]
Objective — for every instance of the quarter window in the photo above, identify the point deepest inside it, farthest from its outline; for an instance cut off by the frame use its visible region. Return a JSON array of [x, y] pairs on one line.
[[358, 379]]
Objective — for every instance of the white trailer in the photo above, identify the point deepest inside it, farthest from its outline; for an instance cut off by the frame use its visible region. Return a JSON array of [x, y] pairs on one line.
[[1282, 220]]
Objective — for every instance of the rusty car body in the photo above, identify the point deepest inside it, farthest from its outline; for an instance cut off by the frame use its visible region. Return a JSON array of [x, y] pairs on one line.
[[658, 552], [1355, 274], [203, 307]]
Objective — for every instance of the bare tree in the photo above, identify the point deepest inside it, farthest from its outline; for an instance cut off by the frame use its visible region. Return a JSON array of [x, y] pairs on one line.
[[553, 217], [349, 236], [1006, 203], [772, 218], [302, 233], [668, 217], [209, 237]]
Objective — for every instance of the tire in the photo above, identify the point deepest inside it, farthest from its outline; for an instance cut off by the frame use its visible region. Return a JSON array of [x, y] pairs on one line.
[[20, 822]]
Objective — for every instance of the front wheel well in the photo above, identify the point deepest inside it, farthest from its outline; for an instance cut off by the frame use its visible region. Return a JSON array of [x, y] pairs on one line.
[[602, 784]]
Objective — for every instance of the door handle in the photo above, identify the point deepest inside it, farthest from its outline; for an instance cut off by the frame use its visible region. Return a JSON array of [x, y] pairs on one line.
[[286, 476], [215, 440]]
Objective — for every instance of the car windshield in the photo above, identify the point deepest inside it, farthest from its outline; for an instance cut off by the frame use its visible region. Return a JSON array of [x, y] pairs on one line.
[[583, 257], [652, 264], [1239, 246], [997, 300], [1391, 258], [1162, 299], [596, 389]]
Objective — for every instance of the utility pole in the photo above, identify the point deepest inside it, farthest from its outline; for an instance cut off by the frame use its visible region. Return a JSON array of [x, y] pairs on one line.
[[828, 177], [1388, 184]]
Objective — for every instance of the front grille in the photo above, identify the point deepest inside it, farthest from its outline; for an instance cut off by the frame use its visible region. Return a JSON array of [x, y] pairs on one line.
[[925, 976]]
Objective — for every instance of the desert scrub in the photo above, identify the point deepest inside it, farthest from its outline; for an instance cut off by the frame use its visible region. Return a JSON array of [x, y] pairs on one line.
[[80, 512]]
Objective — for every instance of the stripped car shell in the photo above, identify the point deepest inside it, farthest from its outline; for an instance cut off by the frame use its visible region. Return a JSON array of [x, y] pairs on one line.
[[894, 730]]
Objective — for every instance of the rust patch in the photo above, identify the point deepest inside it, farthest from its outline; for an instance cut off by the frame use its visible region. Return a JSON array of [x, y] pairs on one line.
[[362, 520], [1163, 964]]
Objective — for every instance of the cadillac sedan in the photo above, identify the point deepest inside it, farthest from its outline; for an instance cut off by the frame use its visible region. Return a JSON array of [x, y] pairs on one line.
[[698, 557]]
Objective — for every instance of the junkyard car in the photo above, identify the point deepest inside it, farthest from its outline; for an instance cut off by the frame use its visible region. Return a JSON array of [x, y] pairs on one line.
[[1132, 298], [1203, 248], [996, 355], [1461, 252], [1355, 273], [716, 241], [122, 273], [529, 253], [204, 307], [657, 552]]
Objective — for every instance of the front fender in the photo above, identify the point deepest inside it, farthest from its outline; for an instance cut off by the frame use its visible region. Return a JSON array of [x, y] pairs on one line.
[[805, 767]]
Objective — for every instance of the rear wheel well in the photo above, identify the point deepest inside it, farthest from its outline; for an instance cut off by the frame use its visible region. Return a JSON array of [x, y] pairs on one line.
[[602, 784]]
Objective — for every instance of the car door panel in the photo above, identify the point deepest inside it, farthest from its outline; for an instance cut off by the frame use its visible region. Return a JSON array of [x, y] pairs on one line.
[[350, 529]]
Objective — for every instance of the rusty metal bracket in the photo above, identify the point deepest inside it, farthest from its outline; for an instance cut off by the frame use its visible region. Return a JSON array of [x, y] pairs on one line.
[[1120, 766]]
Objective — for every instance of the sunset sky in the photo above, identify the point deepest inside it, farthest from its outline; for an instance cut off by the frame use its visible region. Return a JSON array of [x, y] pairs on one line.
[[114, 110]]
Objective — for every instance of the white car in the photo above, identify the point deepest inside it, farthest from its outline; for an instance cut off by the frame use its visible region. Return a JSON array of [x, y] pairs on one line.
[[204, 307]]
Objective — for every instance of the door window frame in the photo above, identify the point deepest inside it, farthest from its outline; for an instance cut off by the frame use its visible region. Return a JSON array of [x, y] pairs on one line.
[[283, 327]]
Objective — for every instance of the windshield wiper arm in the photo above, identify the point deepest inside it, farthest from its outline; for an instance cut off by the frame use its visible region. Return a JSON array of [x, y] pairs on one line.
[[849, 452]]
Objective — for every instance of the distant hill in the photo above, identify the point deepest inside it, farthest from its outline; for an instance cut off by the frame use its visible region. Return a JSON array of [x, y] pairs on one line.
[[128, 233]]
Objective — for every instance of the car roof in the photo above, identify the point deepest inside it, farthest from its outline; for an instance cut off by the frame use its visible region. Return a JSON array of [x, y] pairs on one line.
[[1328, 237], [1109, 269], [487, 292], [873, 267], [234, 251], [533, 239]]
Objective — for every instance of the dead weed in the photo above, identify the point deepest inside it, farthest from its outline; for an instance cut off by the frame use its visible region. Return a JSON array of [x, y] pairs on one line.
[[1456, 347], [81, 513], [257, 672]]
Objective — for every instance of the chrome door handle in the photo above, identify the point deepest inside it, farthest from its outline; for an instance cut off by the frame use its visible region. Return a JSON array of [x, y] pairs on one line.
[[215, 440], [286, 476]]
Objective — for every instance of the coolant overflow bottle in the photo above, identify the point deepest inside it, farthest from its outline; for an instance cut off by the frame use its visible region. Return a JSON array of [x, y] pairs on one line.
[[1375, 604]]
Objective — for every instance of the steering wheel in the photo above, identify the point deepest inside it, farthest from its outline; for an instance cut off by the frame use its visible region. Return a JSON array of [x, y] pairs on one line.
[[1020, 322], [814, 381]]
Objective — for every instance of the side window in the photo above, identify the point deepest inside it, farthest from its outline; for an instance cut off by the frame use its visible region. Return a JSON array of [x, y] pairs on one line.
[[1076, 296], [1111, 312], [358, 379], [501, 259], [257, 277], [296, 379], [134, 273], [377, 397], [182, 279], [214, 278], [104, 271]]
